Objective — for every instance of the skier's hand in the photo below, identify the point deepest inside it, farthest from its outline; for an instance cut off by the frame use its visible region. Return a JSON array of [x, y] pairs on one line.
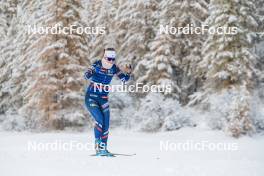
[[127, 69]]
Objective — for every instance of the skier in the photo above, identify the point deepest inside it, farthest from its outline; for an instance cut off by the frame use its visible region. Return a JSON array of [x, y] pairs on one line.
[[96, 98]]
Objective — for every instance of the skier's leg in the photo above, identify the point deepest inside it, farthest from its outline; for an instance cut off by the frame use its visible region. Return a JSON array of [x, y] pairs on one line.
[[95, 111], [106, 120]]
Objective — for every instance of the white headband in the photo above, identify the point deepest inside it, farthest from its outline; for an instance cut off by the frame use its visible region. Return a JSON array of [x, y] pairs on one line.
[[110, 54]]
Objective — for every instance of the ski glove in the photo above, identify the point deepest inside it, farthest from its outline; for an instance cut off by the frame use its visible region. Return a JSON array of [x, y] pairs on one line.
[[90, 71]]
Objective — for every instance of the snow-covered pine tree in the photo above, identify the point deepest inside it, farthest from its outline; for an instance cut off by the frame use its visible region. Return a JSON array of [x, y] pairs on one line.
[[3, 20], [259, 50], [39, 58], [228, 65], [260, 14], [260, 34], [7, 13], [55, 77], [3, 64], [161, 64], [259, 47], [191, 13], [12, 67], [172, 57], [134, 25], [71, 62], [101, 17]]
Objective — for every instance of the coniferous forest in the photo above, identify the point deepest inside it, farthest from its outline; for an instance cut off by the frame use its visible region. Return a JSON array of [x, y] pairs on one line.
[[217, 80], [185, 81]]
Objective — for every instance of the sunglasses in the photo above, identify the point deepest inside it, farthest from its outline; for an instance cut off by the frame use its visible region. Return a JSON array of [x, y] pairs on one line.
[[110, 59]]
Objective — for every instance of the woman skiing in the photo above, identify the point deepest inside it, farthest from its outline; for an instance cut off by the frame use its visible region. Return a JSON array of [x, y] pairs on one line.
[[96, 98]]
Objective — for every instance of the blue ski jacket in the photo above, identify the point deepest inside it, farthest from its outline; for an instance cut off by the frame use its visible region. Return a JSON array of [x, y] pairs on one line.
[[101, 77]]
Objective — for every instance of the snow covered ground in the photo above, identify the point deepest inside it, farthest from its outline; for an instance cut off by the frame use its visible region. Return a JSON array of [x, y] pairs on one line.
[[239, 157]]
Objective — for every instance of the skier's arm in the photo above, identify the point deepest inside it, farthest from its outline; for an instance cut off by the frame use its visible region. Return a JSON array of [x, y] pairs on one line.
[[90, 71], [124, 76]]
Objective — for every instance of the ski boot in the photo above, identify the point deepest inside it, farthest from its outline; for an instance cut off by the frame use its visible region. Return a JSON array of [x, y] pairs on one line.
[[97, 145], [103, 151]]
